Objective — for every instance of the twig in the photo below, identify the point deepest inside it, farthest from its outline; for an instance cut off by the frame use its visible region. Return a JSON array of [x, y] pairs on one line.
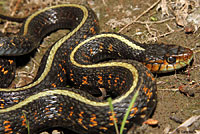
[[24, 74], [165, 34], [187, 123], [151, 32], [167, 89], [154, 22], [35, 61], [162, 35], [104, 3], [152, 6]]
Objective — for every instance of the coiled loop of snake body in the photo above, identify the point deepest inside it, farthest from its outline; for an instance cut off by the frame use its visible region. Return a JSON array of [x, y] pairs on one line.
[[87, 61]]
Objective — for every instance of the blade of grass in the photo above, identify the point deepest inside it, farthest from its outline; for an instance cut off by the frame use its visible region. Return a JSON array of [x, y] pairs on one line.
[[113, 114], [27, 122], [128, 111]]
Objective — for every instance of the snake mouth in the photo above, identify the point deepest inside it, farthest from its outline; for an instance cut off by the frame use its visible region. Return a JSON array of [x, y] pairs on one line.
[[171, 62]]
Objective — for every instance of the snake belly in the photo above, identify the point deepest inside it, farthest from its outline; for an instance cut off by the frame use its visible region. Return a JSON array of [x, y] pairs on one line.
[[87, 61]]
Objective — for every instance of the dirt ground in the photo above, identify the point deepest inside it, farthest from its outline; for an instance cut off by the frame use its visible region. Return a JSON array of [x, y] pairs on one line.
[[161, 23]]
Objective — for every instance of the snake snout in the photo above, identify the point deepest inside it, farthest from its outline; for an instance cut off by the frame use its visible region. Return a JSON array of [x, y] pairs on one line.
[[183, 58]]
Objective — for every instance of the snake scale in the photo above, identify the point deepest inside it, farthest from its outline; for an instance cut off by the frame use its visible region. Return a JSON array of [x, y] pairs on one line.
[[87, 61]]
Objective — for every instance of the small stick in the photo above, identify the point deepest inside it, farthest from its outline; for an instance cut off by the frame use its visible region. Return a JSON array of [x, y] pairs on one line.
[[165, 34], [104, 3], [154, 22], [167, 89]]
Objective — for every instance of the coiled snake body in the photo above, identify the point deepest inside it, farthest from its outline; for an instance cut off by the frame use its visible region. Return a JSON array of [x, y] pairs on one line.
[[87, 61]]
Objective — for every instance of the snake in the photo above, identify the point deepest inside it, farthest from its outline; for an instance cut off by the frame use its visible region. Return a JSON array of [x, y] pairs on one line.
[[65, 91]]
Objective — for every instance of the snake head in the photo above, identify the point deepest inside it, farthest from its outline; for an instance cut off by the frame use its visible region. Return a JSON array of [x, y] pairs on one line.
[[167, 58]]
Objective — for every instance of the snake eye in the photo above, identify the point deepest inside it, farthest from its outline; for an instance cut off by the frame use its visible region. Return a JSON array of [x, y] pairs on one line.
[[171, 60]]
